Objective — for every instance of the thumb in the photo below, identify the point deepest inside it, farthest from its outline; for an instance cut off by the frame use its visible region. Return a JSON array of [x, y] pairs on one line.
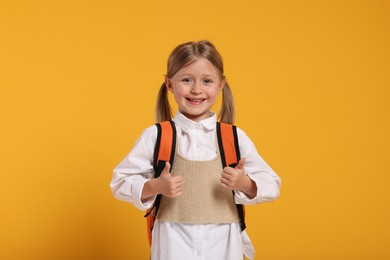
[[241, 163], [166, 168]]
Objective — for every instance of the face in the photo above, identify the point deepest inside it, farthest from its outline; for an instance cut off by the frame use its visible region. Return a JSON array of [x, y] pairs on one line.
[[195, 88]]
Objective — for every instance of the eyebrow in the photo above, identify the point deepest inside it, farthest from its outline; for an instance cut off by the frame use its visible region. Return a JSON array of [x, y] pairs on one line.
[[189, 74], [209, 75]]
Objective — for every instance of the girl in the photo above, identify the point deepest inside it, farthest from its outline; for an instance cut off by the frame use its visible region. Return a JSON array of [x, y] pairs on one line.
[[195, 78]]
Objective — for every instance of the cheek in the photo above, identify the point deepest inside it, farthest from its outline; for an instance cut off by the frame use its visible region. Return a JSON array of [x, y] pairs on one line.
[[180, 92], [177, 89], [213, 93]]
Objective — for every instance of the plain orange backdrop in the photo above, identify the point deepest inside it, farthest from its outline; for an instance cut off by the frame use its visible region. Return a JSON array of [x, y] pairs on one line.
[[78, 85]]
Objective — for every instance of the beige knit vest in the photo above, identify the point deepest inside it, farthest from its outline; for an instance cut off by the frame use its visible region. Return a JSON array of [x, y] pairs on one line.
[[203, 199]]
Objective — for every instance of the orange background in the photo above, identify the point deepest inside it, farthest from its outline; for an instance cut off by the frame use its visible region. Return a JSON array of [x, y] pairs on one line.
[[78, 84]]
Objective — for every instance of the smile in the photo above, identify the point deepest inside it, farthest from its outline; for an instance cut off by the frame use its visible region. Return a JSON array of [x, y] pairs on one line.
[[196, 100]]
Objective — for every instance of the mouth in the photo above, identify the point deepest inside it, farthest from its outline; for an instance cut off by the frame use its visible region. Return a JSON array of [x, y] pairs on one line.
[[196, 101]]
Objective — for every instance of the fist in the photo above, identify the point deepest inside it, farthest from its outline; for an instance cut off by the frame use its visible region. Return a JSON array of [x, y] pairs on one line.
[[234, 178], [170, 185]]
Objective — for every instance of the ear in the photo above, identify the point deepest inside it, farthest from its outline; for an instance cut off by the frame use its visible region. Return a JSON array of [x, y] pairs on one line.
[[168, 84], [222, 83]]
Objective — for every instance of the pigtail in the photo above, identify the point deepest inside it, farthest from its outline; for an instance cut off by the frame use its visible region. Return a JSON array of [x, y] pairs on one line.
[[227, 112], [163, 108]]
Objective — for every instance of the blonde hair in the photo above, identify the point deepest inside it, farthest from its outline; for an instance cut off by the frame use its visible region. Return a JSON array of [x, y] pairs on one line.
[[183, 55]]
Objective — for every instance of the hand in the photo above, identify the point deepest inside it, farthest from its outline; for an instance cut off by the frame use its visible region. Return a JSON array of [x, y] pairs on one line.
[[236, 179], [170, 185]]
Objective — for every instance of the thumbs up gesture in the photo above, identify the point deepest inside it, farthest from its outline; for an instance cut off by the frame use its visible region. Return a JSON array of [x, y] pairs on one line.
[[170, 185], [236, 179]]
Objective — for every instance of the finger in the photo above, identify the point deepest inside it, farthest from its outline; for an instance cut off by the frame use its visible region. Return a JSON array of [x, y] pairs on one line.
[[166, 168], [177, 181], [179, 185], [241, 163], [178, 189], [177, 178], [228, 170], [226, 176], [225, 181], [226, 185]]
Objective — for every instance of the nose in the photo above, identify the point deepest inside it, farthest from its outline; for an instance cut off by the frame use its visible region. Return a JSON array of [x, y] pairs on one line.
[[196, 88]]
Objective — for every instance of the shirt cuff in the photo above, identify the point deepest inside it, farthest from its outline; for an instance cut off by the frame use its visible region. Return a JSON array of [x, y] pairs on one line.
[[241, 198], [137, 192]]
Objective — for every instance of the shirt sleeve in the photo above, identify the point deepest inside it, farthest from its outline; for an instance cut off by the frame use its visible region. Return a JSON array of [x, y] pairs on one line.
[[130, 175], [266, 180]]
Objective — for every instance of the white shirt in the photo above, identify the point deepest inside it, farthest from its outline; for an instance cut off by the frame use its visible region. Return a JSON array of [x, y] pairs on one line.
[[196, 141]]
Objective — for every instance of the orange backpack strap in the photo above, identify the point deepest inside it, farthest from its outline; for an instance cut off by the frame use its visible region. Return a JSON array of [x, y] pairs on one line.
[[230, 156], [164, 151]]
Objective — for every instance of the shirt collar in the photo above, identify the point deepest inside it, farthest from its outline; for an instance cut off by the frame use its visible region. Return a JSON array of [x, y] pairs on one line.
[[186, 124]]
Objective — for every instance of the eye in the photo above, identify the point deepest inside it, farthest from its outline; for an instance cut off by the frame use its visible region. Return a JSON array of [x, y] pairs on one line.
[[186, 80], [207, 81]]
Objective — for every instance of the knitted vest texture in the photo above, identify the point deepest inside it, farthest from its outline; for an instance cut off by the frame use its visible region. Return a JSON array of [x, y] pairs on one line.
[[203, 200]]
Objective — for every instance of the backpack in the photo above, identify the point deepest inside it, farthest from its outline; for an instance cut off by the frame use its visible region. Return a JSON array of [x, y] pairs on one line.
[[165, 151]]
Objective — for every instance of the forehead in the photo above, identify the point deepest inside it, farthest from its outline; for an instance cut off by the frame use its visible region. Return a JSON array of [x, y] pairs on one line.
[[200, 66]]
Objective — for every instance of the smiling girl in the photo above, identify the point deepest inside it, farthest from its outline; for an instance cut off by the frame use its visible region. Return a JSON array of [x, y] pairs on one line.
[[195, 78]]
